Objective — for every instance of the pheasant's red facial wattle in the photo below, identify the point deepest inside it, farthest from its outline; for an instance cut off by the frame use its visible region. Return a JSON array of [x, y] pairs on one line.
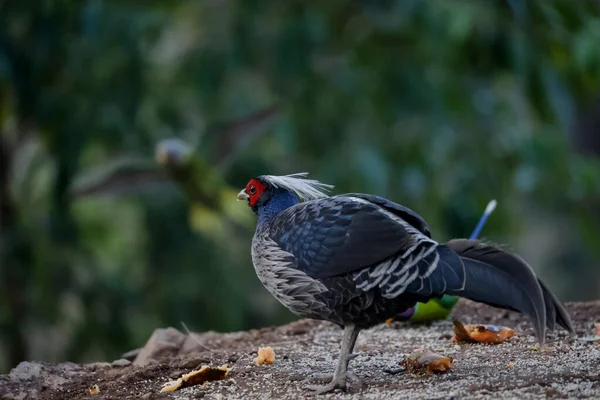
[[254, 189]]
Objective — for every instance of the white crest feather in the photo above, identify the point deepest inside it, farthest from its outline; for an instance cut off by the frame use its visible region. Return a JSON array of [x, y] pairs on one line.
[[305, 189]]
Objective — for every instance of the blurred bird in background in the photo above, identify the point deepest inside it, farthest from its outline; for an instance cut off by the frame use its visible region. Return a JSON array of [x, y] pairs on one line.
[[212, 204], [212, 200]]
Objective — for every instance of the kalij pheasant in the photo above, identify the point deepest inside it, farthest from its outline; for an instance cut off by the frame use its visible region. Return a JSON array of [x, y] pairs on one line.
[[358, 259]]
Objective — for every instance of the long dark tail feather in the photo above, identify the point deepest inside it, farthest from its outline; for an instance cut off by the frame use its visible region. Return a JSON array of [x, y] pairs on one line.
[[555, 311], [500, 279]]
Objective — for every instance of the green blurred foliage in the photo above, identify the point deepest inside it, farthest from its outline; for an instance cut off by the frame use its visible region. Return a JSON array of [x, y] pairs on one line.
[[438, 105]]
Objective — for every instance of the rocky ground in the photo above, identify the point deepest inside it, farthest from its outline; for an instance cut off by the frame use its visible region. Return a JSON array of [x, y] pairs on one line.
[[567, 368]]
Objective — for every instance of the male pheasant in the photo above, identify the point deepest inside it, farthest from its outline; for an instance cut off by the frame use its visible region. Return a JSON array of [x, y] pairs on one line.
[[358, 259]]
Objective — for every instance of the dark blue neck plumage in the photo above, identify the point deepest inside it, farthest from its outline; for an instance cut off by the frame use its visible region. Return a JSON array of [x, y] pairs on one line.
[[280, 200]]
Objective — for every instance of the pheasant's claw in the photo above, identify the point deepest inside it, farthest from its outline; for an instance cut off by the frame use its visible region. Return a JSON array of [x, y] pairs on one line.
[[353, 378], [329, 377], [340, 382], [333, 385]]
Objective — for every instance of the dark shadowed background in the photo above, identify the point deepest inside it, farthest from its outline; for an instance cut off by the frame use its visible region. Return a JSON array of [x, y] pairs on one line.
[[438, 105]]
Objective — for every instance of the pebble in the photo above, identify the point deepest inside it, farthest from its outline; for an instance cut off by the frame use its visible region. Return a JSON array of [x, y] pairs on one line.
[[99, 365], [121, 363]]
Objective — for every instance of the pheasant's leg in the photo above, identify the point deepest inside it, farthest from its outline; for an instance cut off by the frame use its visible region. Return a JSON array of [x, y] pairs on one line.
[[340, 376]]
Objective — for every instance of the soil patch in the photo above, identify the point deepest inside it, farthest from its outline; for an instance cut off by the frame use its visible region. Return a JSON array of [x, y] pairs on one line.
[[567, 367]]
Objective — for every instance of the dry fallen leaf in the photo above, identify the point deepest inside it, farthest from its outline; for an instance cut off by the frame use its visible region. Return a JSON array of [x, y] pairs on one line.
[[94, 390], [597, 326], [481, 333], [197, 377], [427, 361], [389, 320], [266, 355]]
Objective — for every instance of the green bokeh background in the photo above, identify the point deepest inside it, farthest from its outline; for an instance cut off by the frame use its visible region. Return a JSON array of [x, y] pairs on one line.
[[438, 105]]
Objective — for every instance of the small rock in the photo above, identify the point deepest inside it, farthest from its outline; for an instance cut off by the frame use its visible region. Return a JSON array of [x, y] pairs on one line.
[[121, 363], [195, 362], [99, 365], [25, 370], [233, 358], [38, 373], [162, 343]]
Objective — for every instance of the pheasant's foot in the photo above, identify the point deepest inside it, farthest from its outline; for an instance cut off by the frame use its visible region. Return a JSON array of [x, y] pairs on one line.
[[329, 377], [339, 382]]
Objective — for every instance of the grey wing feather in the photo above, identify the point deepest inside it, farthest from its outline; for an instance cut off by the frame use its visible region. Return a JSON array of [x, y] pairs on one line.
[[340, 235], [405, 213]]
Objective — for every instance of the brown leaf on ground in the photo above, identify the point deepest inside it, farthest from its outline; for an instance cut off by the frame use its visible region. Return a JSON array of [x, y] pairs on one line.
[[481, 333], [197, 377], [427, 361]]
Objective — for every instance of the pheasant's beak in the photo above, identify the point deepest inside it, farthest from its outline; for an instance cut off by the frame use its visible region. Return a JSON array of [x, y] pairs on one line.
[[242, 195]]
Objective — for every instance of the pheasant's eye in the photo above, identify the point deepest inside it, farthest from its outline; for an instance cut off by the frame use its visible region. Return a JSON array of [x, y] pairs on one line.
[[252, 189]]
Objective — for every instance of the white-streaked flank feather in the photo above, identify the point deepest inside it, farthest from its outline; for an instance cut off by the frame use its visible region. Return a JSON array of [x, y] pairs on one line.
[[305, 189]]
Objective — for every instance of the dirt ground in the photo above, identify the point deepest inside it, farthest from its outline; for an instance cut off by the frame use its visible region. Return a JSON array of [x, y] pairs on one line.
[[567, 368]]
